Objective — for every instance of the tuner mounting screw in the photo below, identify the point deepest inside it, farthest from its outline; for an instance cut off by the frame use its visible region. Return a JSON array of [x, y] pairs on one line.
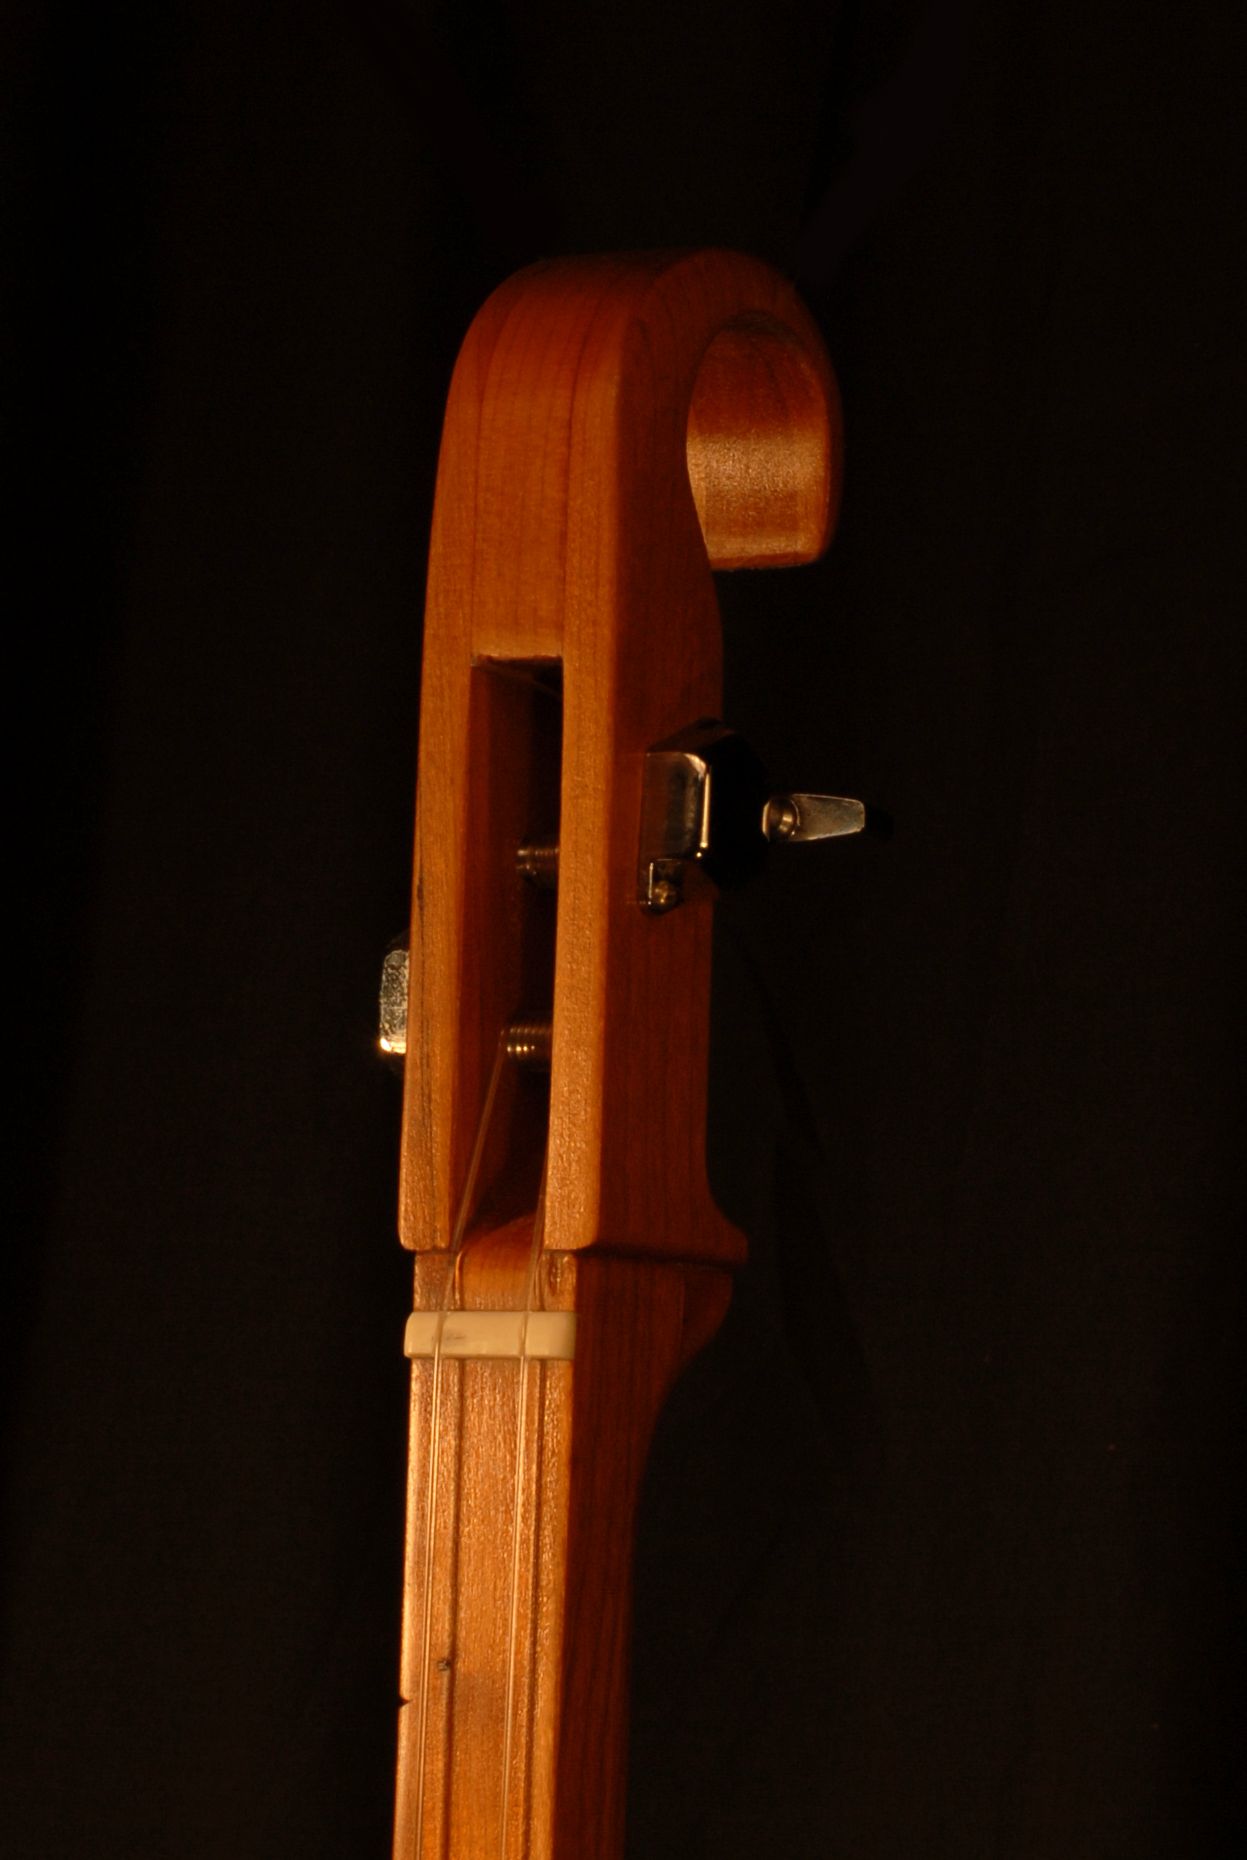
[[664, 885]]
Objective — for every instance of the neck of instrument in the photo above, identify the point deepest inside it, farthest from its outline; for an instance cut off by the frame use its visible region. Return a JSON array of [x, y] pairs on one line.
[[514, 1669]]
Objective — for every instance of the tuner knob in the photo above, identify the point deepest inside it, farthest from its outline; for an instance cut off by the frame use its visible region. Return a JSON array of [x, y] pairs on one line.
[[801, 817], [707, 816]]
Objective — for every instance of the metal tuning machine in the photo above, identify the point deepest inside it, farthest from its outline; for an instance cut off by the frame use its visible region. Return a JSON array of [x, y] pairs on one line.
[[708, 816]]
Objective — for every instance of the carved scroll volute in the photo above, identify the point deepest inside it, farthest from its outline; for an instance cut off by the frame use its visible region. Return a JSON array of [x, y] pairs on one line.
[[616, 428]]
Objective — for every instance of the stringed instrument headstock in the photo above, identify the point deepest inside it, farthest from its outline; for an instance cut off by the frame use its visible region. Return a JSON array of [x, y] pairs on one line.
[[616, 429]]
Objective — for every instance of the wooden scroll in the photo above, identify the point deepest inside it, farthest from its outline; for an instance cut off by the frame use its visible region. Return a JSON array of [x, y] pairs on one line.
[[616, 428]]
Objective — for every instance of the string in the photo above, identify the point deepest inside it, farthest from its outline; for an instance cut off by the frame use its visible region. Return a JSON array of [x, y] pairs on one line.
[[449, 1287]]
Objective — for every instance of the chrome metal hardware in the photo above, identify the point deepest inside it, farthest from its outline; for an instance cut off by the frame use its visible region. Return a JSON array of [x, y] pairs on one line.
[[530, 1043], [800, 817], [707, 817], [393, 1016], [538, 862], [526, 1042]]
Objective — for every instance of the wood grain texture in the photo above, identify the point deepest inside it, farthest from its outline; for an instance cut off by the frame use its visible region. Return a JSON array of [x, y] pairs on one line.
[[565, 529], [616, 427]]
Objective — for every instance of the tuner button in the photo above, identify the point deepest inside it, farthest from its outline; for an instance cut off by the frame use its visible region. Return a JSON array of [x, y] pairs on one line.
[[799, 817], [393, 1005]]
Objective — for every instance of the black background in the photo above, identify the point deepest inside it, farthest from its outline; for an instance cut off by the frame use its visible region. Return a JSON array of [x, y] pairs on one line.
[[941, 1552]]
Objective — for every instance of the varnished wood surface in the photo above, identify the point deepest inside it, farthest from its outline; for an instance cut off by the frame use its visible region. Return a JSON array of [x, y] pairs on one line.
[[559, 1620], [615, 428], [565, 529]]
